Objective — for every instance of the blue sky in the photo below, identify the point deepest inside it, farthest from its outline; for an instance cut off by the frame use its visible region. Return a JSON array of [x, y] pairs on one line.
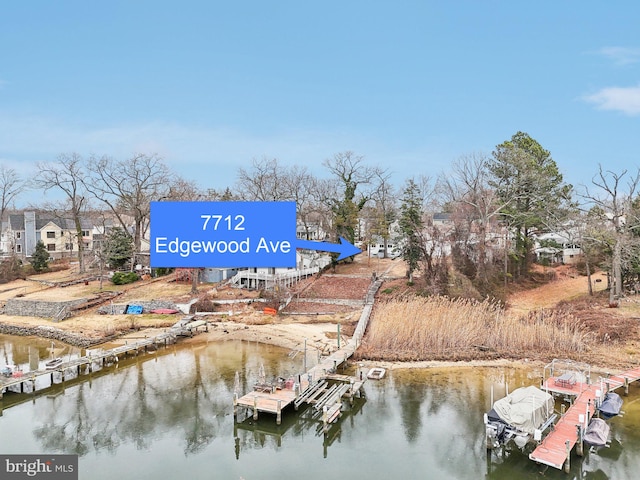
[[409, 85]]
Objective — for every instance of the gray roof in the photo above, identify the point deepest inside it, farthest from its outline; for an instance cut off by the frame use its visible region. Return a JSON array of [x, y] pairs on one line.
[[16, 221]]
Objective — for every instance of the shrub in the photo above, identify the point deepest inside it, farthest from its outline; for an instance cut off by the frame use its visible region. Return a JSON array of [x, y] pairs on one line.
[[40, 258], [122, 278], [162, 271], [11, 269]]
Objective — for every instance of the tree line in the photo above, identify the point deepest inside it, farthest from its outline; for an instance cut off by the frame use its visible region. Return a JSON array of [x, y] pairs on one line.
[[495, 207]]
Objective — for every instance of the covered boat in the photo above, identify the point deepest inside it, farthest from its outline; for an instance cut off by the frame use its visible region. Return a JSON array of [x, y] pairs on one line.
[[610, 406], [597, 433], [53, 363], [521, 416]]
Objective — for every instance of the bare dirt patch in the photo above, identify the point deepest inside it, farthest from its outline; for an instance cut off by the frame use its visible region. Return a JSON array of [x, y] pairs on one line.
[[337, 287], [565, 285]]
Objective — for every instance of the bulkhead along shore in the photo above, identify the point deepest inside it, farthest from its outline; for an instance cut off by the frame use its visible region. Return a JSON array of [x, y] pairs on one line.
[[553, 317]]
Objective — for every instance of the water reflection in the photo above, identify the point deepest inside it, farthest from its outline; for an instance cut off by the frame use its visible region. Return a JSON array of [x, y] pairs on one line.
[[169, 413], [306, 422]]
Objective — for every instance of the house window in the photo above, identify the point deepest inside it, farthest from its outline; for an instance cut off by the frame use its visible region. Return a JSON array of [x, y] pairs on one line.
[[51, 234], [86, 245], [68, 246], [85, 233], [18, 234], [51, 247], [18, 248]]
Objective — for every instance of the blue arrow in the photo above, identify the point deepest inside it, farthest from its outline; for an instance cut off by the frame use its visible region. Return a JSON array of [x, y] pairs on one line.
[[344, 248]]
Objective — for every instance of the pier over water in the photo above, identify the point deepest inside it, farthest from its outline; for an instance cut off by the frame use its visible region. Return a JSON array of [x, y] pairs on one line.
[[319, 385]]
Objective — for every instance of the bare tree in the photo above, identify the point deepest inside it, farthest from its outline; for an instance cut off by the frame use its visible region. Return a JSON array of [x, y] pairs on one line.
[[187, 191], [615, 203], [68, 175], [127, 187], [468, 187], [11, 185], [298, 185], [385, 207], [268, 180], [351, 176], [183, 190], [263, 182]]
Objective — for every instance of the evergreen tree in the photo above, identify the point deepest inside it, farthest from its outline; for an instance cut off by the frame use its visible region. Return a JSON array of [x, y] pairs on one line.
[[40, 257], [411, 225], [118, 248], [528, 181]]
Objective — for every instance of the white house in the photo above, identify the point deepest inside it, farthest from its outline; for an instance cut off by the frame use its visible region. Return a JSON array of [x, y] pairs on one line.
[[568, 250]]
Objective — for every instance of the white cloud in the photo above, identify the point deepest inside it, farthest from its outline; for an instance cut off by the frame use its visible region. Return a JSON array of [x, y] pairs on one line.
[[621, 55], [621, 99]]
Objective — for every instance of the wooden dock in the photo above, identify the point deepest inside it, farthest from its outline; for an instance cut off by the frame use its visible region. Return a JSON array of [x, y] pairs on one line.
[[87, 363], [612, 382], [269, 399], [555, 449], [312, 387]]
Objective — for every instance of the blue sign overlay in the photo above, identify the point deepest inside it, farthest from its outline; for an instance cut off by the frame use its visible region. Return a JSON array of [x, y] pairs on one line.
[[223, 234]]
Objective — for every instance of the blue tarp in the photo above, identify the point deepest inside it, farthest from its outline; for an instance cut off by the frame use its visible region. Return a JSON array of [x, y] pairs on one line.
[[137, 309]]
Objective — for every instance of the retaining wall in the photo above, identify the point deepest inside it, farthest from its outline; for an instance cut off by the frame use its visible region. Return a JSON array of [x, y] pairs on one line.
[[53, 334], [38, 308]]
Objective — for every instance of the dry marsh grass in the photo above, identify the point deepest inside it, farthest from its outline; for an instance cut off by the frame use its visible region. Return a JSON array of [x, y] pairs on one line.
[[421, 328]]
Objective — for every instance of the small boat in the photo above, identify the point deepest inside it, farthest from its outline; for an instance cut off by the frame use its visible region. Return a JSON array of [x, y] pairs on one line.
[[522, 417], [51, 364], [597, 433], [610, 406], [164, 311], [6, 371], [376, 373]]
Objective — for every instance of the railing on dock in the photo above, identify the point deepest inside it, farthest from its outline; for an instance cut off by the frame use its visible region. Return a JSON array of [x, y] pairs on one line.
[[312, 384], [555, 449]]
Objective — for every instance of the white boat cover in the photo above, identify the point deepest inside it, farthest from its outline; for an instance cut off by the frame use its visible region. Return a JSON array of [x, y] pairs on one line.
[[526, 408]]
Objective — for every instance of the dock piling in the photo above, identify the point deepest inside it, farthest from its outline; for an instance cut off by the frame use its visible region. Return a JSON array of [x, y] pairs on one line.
[[235, 405], [580, 443], [626, 386], [279, 413]]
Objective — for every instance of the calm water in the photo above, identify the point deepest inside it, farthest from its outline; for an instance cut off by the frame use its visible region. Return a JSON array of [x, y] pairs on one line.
[[169, 415]]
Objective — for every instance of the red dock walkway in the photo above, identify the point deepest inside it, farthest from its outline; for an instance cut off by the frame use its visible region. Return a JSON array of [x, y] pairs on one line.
[[557, 446], [622, 379]]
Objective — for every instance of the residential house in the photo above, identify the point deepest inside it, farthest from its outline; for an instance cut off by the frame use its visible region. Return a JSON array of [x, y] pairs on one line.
[[560, 247], [22, 231], [307, 263], [377, 246]]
